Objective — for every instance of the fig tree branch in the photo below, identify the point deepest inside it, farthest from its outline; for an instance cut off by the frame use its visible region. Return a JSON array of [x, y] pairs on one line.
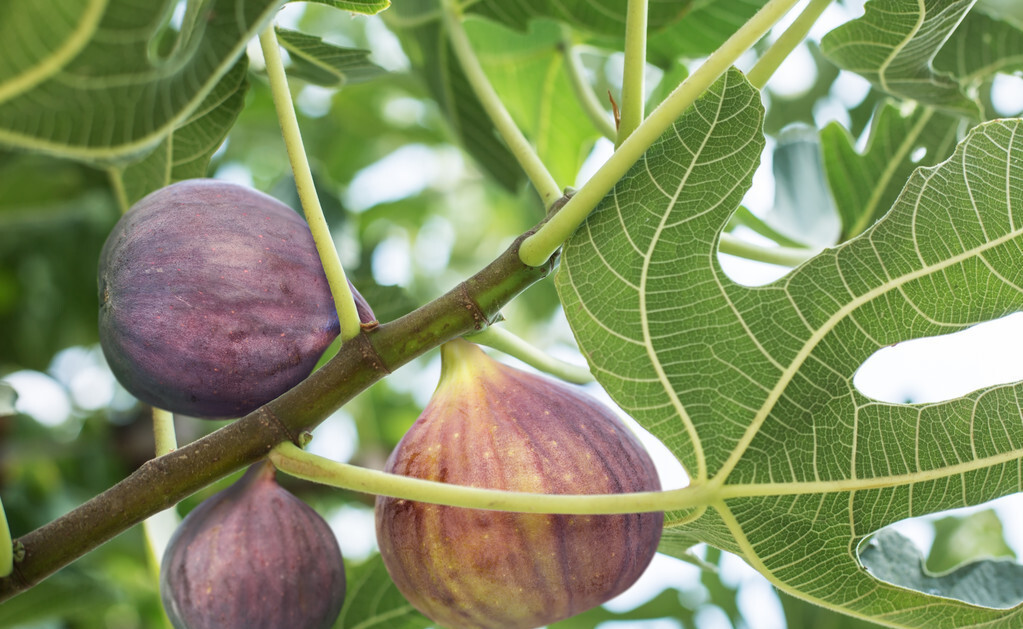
[[164, 481]]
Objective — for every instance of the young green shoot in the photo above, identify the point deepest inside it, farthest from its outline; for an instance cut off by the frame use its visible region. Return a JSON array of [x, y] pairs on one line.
[[784, 256], [159, 527], [504, 341], [583, 91], [542, 244], [292, 460], [519, 146], [342, 293], [633, 92], [6, 545], [768, 64]]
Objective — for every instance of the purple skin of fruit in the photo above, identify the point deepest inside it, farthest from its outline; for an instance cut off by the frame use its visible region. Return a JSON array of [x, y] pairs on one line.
[[213, 300], [489, 425], [253, 557]]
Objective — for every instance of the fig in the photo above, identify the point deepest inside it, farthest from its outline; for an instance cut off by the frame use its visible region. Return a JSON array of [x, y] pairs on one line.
[[253, 556], [213, 300], [491, 425]]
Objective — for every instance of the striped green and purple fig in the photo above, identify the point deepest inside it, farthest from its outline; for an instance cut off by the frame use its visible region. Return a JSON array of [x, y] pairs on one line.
[[490, 425], [213, 300], [253, 556]]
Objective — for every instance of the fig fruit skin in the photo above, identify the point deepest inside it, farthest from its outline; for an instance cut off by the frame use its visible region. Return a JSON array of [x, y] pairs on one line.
[[253, 556], [490, 425], [213, 300]]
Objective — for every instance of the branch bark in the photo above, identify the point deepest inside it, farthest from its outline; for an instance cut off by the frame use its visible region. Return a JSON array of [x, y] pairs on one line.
[[166, 480]]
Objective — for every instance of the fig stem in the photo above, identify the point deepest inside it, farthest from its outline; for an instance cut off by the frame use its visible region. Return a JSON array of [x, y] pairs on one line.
[[163, 431], [542, 244], [519, 146], [785, 256], [581, 87], [6, 544], [634, 72], [159, 527], [344, 301], [294, 461], [505, 341], [773, 57]]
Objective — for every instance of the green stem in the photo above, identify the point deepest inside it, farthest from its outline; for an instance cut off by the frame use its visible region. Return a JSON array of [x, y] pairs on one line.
[[292, 460], [784, 256], [583, 92], [635, 69], [163, 431], [557, 230], [766, 66], [339, 288], [750, 220], [159, 527], [504, 341], [117, 184], [6, 545], [517, 143]]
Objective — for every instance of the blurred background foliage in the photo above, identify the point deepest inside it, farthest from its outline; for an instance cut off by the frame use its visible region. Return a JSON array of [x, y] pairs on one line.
[[414, 208]]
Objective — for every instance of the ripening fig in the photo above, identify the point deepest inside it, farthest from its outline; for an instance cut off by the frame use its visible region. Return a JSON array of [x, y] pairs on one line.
[[213, 300], [253, 557], [490, 425]]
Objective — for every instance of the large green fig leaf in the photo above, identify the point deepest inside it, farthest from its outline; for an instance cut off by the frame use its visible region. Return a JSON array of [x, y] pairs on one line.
[[864, 185], [752, 387], [893, 46], [108, 80]]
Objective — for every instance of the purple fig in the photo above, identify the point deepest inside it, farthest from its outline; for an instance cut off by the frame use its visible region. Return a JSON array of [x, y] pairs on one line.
[[213, 300], [490, 425], [253, 557]]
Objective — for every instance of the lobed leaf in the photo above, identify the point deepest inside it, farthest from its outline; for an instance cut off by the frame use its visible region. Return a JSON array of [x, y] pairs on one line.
[[319, 62], [109, 80], [752, 387], [864, 185], [981, 47], [893, 45], [185, 153]]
